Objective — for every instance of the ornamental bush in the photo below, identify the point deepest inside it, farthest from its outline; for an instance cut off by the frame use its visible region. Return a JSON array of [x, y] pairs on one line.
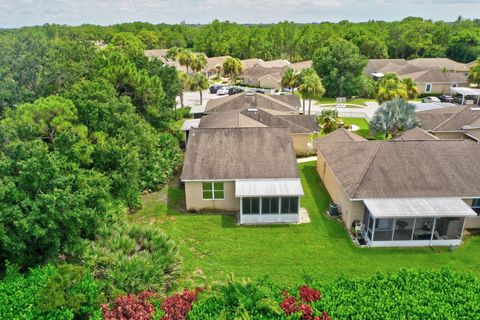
[[66, 292], [132, 259]]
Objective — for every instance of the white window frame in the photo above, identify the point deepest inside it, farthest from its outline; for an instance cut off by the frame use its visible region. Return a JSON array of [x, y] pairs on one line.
[[428, 85], [213, 190]]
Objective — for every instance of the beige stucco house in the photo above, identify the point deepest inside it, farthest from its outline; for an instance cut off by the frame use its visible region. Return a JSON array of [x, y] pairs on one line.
[[261, 110], [249, 171], [416, 190], [431, 75], [460, 122]]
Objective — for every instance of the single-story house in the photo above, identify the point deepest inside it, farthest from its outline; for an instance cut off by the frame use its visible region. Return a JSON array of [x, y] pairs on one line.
[[432, 75], [403, 192], [249, 171], [261, 110], [459, 122], [248, 63], [299, 66], [258, 76]]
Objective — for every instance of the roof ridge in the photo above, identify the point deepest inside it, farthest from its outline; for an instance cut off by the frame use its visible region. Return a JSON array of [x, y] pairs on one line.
[[367, 168], [448, 119]]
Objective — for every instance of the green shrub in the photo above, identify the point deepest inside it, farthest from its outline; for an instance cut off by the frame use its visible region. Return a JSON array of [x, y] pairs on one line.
[[183, 113], [133, 259], [67, 292], [407, 294]]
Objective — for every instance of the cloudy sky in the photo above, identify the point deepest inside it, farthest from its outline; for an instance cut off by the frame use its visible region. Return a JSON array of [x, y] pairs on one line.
[[15, 13]]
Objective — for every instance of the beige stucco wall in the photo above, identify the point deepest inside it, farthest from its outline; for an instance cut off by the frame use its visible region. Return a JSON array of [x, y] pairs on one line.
[[351, 210], [195, 202], [270, 83], [439, 88], [300, 142]]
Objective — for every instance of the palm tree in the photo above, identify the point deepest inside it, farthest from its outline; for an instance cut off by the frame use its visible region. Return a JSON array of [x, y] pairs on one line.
[[394, 116], [185, 57], [198, 82], [199, 61], [289, 79], [310, 87], [328, 120], [182, 76], [390, 87], [411, 88], [474, 73], [233, 67]]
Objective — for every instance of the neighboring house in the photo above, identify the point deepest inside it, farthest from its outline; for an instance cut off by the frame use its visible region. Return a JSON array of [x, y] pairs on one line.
[[248, 63], [214, 67], [462, 122], [279, 63], [432, 75], [415, 191], [299, 66], [160, 54], [252, 171], [262, 77], [260, 110]]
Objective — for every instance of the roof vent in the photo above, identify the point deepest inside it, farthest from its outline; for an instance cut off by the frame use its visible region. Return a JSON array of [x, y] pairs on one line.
[[250, 93], [252, 109], [475, 109]]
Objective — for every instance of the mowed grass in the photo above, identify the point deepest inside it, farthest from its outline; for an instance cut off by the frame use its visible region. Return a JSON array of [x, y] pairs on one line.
[[213, 246], [364, 130]]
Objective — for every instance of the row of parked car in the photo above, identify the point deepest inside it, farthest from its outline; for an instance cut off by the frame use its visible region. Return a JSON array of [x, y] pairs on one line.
[[442, 98], [222, 90]]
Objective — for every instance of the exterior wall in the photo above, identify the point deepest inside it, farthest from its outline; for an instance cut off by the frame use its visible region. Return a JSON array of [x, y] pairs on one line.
[[249, 81], [471, 222], [439, 88], [270, 83], [301, 142], [194, 198], [448, 135], [350, 210]]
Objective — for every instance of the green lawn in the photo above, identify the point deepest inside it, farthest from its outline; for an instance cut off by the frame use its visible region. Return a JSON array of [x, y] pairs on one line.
[[213, 246], [364, 130], [360, 101]]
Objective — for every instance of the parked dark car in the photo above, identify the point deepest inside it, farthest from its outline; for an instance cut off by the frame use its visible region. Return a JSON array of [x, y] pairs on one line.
[[215, 88], [259, 91], [235, 90], [445, 98]]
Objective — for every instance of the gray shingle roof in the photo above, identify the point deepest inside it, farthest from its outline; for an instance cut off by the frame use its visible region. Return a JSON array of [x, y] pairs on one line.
[[239, 153], [243, 101], [448, 119], [404, 168], [415, 134]]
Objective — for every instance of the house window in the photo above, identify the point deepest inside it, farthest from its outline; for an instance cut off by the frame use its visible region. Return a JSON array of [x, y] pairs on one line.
[[289, 205], [213, 191], [428, 87], [454, 85], [269, 205], [476, 205], [250, 205]]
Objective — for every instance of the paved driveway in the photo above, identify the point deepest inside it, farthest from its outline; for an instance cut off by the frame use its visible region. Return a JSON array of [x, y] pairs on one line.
[[192, 98]]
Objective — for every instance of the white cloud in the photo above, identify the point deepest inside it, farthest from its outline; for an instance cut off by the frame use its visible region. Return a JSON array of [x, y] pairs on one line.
[[15, 13]]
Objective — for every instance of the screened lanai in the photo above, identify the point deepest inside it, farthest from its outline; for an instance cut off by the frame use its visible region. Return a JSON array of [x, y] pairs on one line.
[[415, 221]]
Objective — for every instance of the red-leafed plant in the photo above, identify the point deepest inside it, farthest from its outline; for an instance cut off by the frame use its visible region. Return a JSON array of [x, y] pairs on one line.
[[308, 294], [130, 307], [289, 305], [178, 306], [307, 312]]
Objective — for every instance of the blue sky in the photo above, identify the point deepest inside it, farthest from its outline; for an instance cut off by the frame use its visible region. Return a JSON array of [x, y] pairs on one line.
[[15, 13]]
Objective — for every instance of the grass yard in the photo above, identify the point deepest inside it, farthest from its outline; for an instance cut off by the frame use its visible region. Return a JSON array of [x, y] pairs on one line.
[[213, 246], [364, 130], [360, 101]]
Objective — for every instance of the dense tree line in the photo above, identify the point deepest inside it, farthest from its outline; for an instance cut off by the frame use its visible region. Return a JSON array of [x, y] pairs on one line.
[[410, 38], [83, 131]]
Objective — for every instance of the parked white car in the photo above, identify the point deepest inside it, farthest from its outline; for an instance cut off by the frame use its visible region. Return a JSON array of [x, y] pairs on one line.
[[223, 91], [430, 100]]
